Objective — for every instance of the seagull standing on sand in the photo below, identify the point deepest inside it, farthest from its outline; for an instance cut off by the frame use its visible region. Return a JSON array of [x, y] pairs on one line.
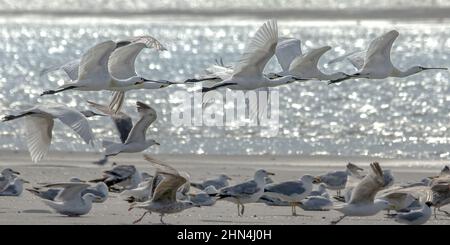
[[100, 190], [207, 197], [304, 66], [291, 191], [321, 191], [246, 192], [377, 63], [136, 140], [15, 188], [415, 217], [315, 203], [220, 182], [336, 180], [164, 200], [124, 176], [70, 200], [362, 201], [6, 176], [39, 122]]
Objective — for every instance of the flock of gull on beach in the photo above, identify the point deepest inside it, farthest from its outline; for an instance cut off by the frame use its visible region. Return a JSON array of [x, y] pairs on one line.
[[110, 66]]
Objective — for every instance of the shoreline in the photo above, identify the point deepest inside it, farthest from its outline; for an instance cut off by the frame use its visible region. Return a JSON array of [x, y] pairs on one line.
[[413, 13]]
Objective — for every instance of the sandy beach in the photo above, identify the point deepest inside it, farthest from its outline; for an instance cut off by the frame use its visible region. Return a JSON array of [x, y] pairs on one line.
[[28, 209]]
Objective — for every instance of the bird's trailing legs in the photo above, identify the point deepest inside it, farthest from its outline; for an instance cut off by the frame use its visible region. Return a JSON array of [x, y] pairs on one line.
[[140, 219], [443, 211], [57, 91], [161, 219], [334, 222], [12, 117]]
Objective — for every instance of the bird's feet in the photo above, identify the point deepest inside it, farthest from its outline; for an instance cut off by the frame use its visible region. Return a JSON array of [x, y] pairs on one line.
[[8, 118], [47, 92], [191, 80]]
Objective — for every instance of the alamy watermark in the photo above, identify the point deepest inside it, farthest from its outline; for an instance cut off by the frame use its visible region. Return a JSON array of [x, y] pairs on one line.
[[229, 108]]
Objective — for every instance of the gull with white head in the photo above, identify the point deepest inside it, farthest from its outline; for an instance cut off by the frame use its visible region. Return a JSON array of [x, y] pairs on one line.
[[136, 140], [291, 191], [70, 201], [247, 192], [6, 176], [15, 188], [219, 182]]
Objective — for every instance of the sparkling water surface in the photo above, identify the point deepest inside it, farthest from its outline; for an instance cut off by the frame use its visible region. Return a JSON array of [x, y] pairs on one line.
[[395, 117]]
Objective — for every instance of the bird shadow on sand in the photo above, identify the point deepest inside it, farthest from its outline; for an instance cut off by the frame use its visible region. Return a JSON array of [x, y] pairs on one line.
[[36, 211]]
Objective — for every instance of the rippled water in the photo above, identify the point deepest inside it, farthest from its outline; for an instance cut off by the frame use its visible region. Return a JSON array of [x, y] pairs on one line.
[[143, 5], [391, 118]]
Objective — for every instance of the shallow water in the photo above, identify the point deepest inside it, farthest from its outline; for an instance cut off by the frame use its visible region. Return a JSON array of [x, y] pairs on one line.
[[387, 118]]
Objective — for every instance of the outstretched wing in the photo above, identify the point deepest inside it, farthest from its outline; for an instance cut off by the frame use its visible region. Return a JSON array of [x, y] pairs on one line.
[[74, 119], [38, 133], [148, 116], [287, 50], [379, 51], [306, 66], [70, 68], [259, 51], [366, 190], [95, 61], [122, 121]]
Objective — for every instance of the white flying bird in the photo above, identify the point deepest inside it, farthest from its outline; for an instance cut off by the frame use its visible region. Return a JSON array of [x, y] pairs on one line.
[[109, 67], [305, 66], [377, 63], [39, 122]]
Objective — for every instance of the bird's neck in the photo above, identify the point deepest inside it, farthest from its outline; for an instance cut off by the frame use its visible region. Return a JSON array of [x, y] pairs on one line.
[[278, 81], [398, 73], [129, 82]]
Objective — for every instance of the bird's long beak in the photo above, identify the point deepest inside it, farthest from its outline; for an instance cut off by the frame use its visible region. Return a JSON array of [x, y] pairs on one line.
[[156, 143], [435, 68], [15, 172], [25, 181], [270, 173]]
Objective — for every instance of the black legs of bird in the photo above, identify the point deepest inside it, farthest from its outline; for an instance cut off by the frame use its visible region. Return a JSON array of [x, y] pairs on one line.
[[442, 211], [47, 92], [334, 222], [140, 219]]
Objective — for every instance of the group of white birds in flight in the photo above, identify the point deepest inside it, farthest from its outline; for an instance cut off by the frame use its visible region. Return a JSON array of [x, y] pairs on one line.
[[111, 66]]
